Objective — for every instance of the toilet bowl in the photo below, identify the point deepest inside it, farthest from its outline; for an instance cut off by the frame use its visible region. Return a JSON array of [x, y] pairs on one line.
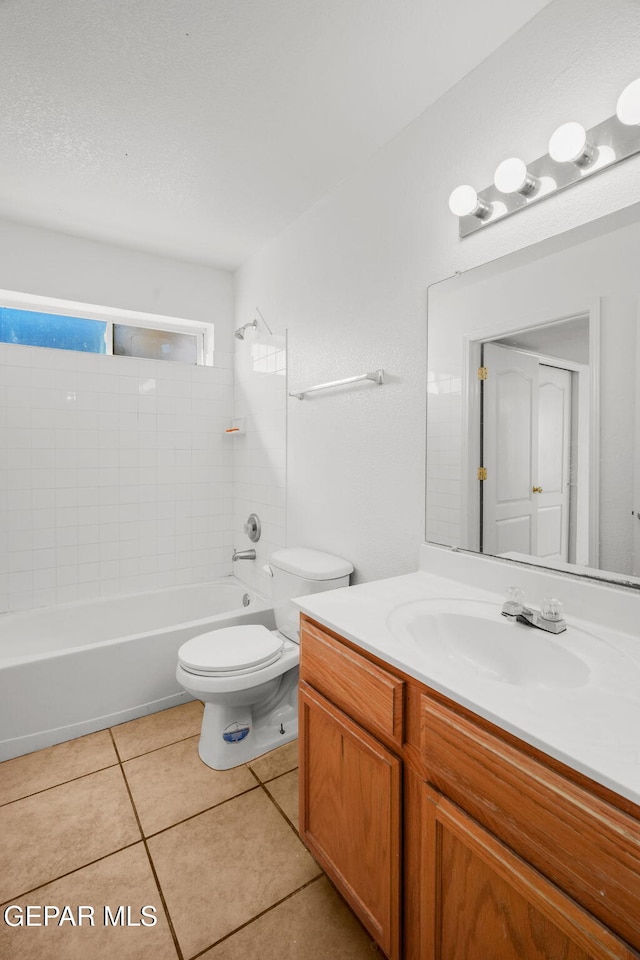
[[247, 676]]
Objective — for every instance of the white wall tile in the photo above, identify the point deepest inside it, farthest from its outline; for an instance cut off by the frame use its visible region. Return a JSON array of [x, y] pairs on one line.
[[106, 464]]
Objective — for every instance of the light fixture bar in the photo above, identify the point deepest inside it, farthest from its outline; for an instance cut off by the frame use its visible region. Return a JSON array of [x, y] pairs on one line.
[[612, 140]]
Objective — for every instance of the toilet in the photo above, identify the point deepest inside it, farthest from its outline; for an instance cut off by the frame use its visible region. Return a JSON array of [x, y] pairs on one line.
[[247, 676]]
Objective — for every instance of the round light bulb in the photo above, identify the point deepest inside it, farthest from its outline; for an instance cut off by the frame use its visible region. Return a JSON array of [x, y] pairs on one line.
[[628, 106], [512, 176], [569, 144], [465, 202]]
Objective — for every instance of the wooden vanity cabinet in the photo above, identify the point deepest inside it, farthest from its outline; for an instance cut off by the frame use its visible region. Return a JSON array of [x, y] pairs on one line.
[[350, 781], [506, 853], [483, 902], [580, 842], [351, 813]]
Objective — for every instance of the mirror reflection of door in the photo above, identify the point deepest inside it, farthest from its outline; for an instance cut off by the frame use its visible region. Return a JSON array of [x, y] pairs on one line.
[[535, 406]]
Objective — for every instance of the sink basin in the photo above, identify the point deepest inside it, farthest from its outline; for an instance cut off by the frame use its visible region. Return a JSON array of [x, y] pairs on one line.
[[473, 636]]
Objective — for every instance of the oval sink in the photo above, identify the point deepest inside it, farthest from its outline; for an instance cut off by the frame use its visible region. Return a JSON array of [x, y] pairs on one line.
[[474, 636]]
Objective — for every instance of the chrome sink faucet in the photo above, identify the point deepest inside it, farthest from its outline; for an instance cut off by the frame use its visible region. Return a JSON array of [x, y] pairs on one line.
[[549, 618]]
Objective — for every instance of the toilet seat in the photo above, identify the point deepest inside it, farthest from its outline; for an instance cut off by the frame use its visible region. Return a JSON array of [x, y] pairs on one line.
[[231, 651]]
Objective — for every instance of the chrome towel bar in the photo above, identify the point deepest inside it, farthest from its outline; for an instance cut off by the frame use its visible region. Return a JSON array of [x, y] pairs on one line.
[[377, 376]]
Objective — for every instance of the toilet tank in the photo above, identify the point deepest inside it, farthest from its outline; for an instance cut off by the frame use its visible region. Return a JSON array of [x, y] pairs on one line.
[[297, 572]]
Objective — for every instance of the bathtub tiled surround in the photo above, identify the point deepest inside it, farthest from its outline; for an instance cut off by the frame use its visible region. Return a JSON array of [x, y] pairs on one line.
[[131, 816], [260, 363], [115, 474]]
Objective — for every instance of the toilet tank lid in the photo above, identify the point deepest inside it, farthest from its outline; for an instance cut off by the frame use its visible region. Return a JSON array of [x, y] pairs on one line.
[[310, 564]]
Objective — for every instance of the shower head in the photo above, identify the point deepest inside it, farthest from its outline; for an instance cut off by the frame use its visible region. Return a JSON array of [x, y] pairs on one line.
[[239, 333]]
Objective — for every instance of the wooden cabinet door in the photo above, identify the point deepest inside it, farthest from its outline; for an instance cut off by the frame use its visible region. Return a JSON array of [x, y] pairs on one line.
[[350, 795], [482, 902]]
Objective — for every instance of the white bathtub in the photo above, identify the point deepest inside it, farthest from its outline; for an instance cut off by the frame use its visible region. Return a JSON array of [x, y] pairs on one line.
[[69, 670]]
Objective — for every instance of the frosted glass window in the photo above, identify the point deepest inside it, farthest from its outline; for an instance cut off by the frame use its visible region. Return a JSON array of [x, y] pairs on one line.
[[154, 344], [33, 329]]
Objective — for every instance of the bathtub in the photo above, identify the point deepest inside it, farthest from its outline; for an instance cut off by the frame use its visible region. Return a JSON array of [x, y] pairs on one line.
[[79, 667]]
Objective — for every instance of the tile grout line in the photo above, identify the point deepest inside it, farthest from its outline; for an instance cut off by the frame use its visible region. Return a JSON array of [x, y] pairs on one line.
[[61, 784], [151, 863], [254, 775], [107, 766], [258, 916], [192, 816], [69, 873], [279, 808], [146, 753], [283, 774]]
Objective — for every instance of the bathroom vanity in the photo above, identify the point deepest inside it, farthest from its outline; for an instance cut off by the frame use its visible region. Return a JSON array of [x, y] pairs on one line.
[[472, 787], [472, 814]]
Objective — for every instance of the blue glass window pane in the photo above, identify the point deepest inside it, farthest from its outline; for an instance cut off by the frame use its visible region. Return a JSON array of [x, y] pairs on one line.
[[51, 330]]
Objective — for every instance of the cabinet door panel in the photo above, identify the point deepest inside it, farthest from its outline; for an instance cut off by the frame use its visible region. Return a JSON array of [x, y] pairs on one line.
[[583, 844], [482, 902], [350, 814]]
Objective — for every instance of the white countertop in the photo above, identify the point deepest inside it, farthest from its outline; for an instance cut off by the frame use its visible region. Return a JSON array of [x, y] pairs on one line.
[[593, 728]]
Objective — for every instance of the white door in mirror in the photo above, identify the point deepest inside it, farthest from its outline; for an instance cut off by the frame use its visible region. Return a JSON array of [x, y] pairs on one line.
[[526, 443]]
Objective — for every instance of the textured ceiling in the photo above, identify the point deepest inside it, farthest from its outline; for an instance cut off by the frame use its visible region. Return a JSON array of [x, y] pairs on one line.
[[201, 128]]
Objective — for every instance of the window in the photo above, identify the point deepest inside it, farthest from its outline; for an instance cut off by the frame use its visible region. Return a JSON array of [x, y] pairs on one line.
[[64, 325], [52, 330], [154, 344]]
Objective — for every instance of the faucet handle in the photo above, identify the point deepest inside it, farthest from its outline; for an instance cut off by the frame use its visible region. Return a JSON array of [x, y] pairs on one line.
[[551, 609], [514, 604]]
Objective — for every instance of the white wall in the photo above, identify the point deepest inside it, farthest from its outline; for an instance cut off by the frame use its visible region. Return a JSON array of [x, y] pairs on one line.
[[115, 473], [52, 264], [260, 453], [349, 278]]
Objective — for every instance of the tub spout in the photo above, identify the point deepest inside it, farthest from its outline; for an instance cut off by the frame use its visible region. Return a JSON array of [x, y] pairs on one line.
[[243, 555]]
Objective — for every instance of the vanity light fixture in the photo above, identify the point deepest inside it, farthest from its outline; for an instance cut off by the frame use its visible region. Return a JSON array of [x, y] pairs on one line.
[[512, 176], [575, 154]]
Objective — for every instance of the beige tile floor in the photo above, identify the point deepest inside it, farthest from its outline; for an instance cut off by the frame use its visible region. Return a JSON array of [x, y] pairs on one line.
[[131, 817]]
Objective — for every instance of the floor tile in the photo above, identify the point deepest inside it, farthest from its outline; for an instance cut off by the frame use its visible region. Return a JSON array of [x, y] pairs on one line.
[[314, 924], [158, 729], [62, 829], [124, 878], [173, 783], [54, 765], [277, 762], [223, 867], [284, 791]]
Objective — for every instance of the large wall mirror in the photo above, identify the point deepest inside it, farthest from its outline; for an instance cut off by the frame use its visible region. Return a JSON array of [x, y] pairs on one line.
[[533, 406]]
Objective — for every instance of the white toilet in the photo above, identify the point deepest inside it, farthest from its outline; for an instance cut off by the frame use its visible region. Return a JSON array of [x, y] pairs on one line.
[[247, 676]]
